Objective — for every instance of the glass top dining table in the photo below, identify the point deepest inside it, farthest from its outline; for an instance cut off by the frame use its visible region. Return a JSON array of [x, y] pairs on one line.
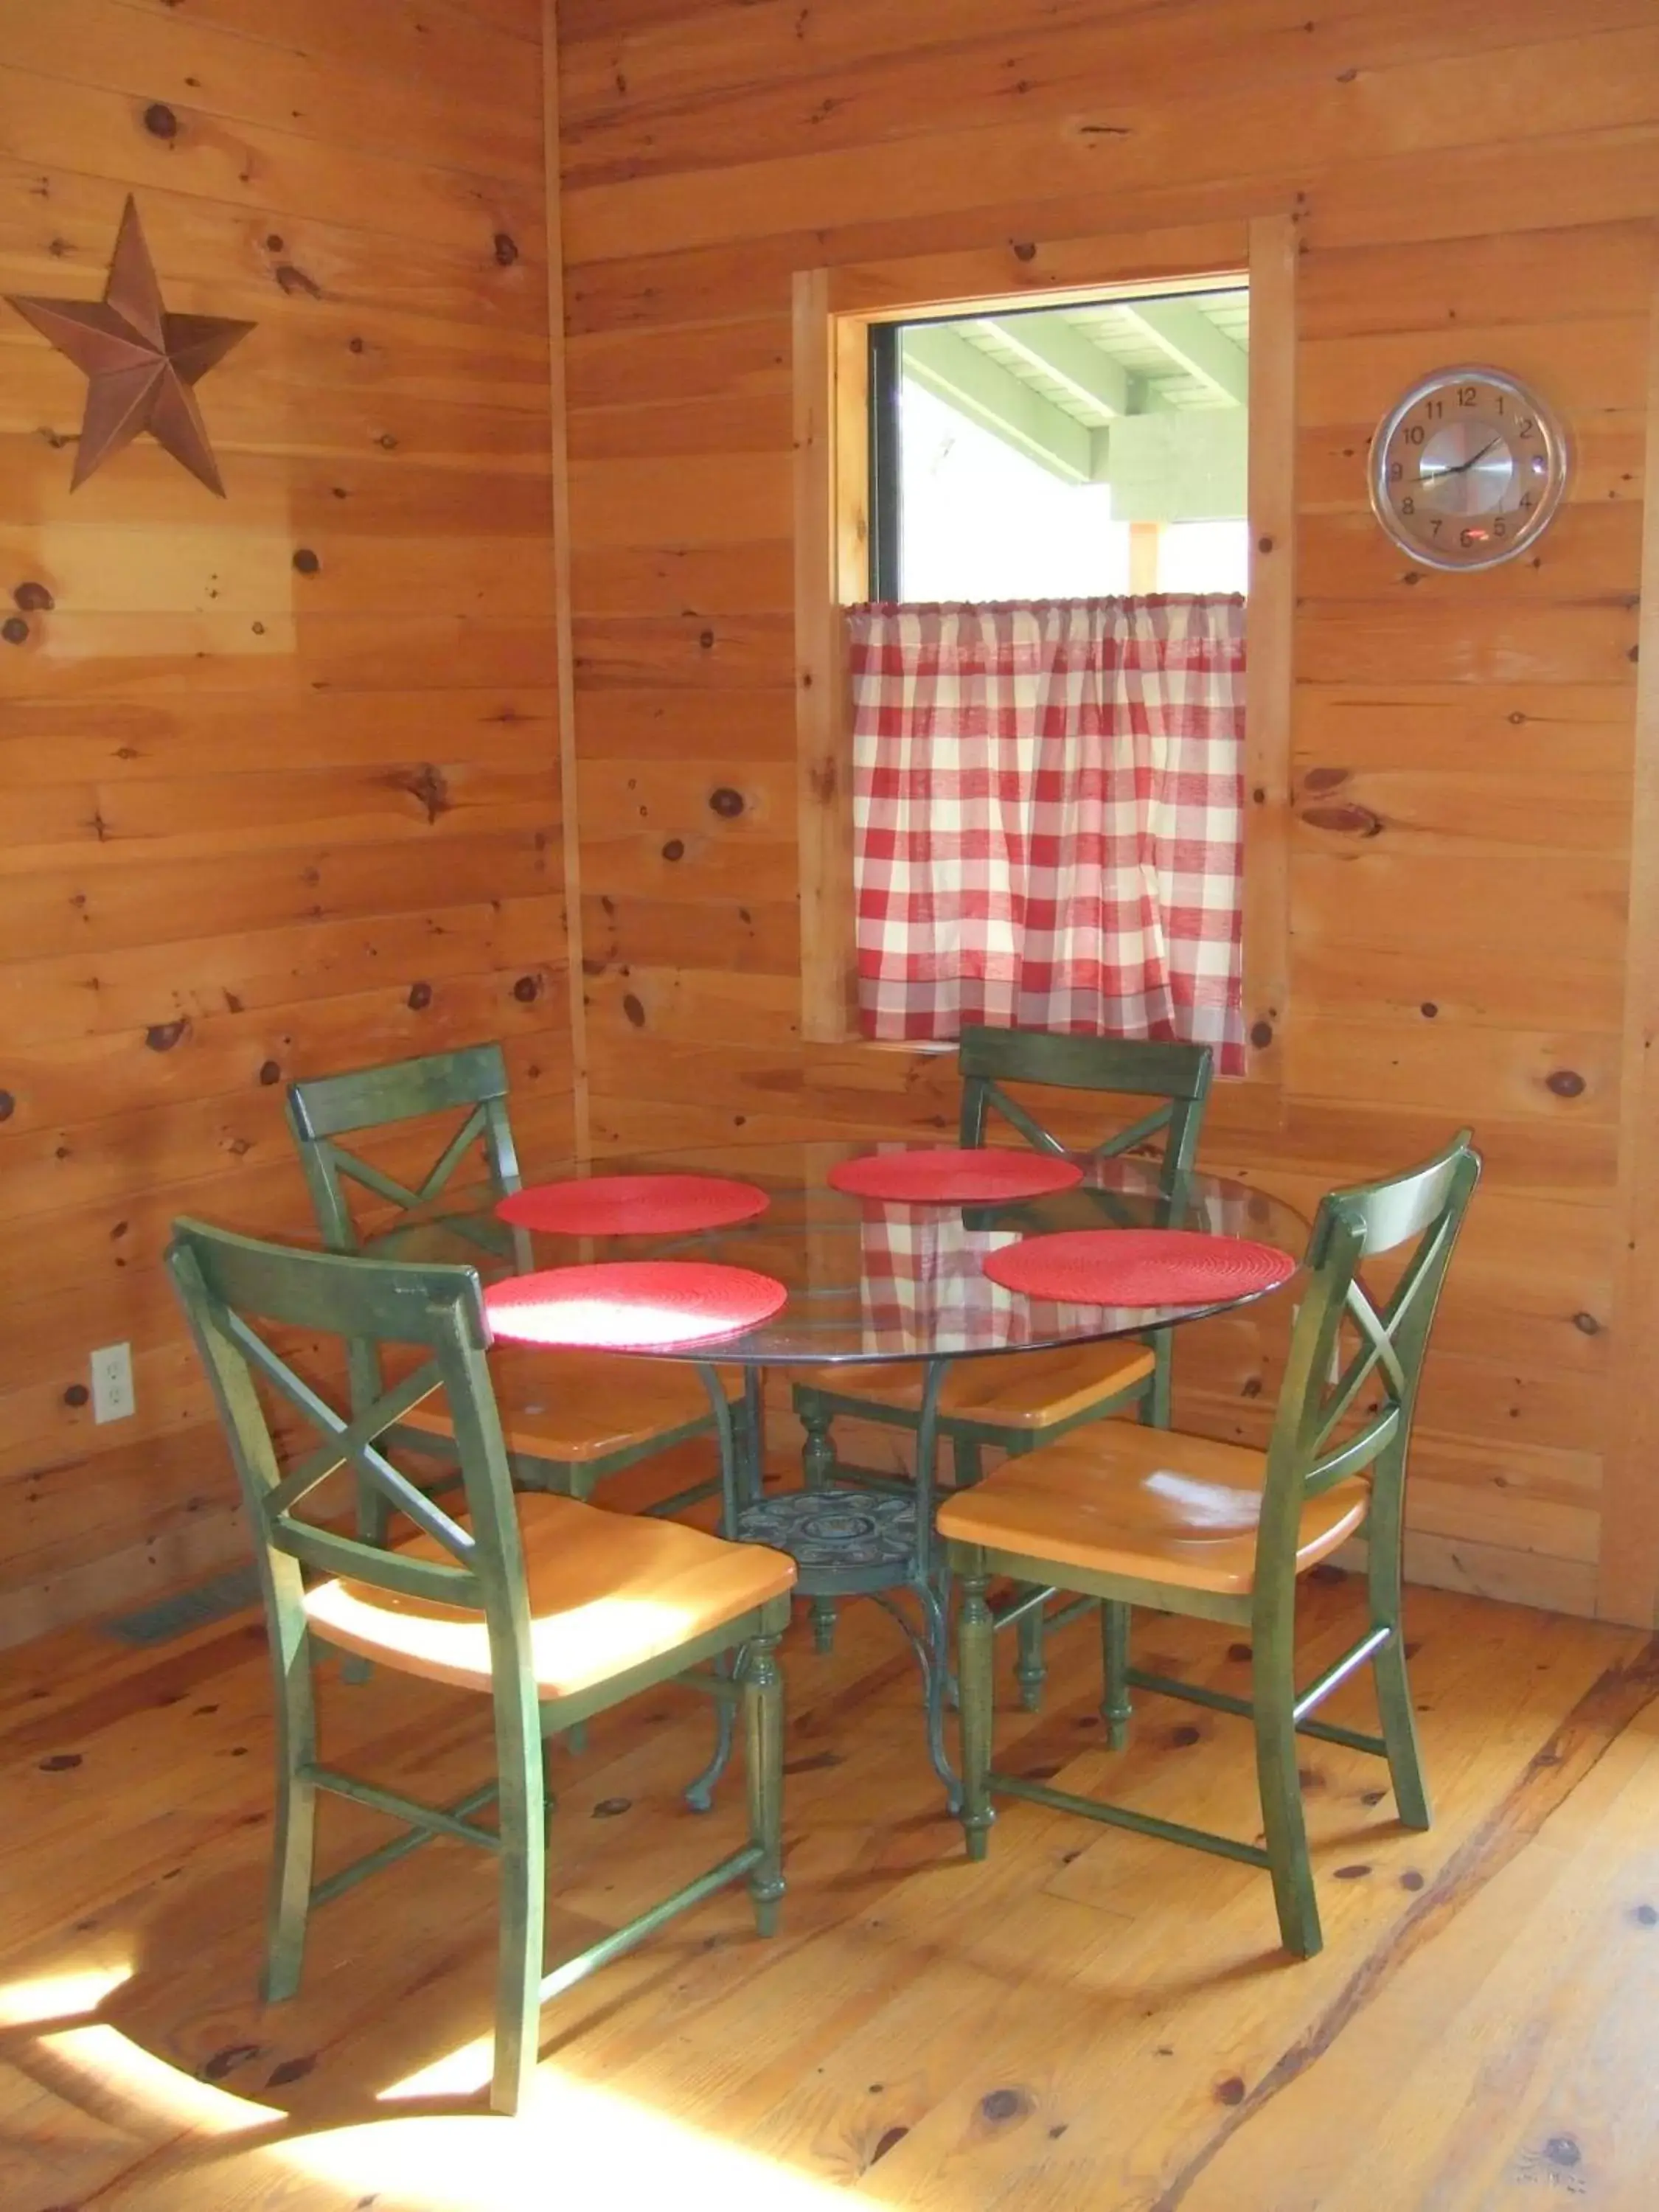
[[868, 1280]]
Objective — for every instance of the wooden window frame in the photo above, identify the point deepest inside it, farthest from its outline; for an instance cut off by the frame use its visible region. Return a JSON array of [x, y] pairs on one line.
[[833, 311]]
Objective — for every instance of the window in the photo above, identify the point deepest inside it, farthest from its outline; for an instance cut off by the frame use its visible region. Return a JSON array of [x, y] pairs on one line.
[[1059, 452], [1121, 424]]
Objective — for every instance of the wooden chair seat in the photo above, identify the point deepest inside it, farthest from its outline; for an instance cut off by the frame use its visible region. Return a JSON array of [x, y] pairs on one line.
[[608, 1592], [575, 1406], [1125, 1499], [1014, 1390]]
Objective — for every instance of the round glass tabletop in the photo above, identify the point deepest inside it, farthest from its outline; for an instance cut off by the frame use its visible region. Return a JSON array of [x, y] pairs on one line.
[[869, 1279]]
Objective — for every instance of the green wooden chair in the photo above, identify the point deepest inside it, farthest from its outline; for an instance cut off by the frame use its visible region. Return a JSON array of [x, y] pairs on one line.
[[1023, 1401], [554, 1609], [1133, 1516], [570, 1418]]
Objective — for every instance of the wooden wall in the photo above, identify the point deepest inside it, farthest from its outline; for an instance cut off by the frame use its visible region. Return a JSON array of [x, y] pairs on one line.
[[278, 788], [1477, 183]]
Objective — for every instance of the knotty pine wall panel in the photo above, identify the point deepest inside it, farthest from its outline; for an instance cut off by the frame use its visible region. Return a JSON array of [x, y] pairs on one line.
[[261, 816], [1462, 184]]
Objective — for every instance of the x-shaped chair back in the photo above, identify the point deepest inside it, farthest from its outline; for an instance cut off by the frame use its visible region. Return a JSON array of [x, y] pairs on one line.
[[228, 1284], [1355, 1361], [1177, 1075]]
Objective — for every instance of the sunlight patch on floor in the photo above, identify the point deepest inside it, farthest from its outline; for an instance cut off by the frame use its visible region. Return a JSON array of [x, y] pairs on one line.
[[569, 2142], [113, 2061], [59, 1996]]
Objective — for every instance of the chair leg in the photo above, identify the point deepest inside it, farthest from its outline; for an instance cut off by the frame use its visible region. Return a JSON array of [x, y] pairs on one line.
[[976, 1697], [294, 1838], [1117, 1709], [523, 1900], [1393, 1694], [966, 1462], [1031, 1668], [762, 1722], [819, 1469], [1155, 1407], [1273, 1698]]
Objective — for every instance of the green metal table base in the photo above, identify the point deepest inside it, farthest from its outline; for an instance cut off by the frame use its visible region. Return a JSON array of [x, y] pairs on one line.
[[846, 1542]]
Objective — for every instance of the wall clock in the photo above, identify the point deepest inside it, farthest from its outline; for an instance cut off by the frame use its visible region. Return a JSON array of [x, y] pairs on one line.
[[1468, 468]]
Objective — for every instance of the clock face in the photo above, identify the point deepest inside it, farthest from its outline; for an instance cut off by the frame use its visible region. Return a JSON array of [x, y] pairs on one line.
[[1467, 469]]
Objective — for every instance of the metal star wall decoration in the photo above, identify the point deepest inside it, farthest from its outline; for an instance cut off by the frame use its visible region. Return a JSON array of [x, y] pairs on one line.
[[139, 361]]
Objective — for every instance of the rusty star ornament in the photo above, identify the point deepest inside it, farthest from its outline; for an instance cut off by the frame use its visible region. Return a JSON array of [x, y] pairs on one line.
[[140, 362]]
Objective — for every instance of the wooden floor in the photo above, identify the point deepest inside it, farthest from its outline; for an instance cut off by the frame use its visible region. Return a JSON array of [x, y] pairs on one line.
[[1086, 2021]]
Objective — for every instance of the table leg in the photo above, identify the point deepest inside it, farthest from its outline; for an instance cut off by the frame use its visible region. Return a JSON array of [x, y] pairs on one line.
[[738, 1444]]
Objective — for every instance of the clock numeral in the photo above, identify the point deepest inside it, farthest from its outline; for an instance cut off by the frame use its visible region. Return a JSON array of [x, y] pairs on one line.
[[1498, 530], [1435, 525], [1527, 427], [1396, 469], [1526, 500], [1467, 395], [1467, 537], [1415, 433], [1434, 407], [1408, 507]]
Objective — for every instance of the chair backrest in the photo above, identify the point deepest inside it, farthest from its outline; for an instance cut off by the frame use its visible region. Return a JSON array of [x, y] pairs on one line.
[[229, 1286], [329, 1107], [1178, 1075], [1355, 1361]]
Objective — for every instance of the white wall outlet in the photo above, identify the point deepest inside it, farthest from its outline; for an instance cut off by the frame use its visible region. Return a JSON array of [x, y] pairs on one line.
[[111, 1382]]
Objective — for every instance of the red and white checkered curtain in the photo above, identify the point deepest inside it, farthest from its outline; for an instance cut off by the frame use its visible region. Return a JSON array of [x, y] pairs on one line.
[[1049, 818]]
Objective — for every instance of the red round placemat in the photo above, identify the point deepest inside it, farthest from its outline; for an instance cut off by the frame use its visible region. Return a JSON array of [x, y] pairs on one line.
[[632, 1306], [1138, 1268], [633, 1204], [935, 1176]]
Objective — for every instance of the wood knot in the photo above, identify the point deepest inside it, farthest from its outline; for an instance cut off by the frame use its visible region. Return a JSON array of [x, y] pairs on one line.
[[427, 785], [1261, 1034], [77, 1394], [273, 244], [1180, 1739], [705, 640], [306, 561], [1563, 2150], [291, 280], [674, 849], [1264, 544], [420, 998], [526, 989], [727, 803], [15, 630], [1025, 250], [633, 1011], [60, 1762], [1351, 1873], [889, 2140], [354, 345], [1240, 1652], [608, 1808], [1001, 2105], [226, 2061], [161, 1036], [35, 598], [160, 120], [1646, 1916], [1323, 778], [1412, 1879], [1587, 1324], [1564, 1082], [1230, 2090], [505, 247], [1428, 1010], [1347, 821], [7, 1105], [270, 1071], [291, 2070]]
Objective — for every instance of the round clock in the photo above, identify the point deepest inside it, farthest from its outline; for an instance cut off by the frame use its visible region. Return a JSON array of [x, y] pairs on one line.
[[1468, 468]]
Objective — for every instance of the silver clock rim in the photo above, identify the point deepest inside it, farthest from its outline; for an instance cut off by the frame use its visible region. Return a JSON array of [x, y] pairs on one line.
[[1555, 453]]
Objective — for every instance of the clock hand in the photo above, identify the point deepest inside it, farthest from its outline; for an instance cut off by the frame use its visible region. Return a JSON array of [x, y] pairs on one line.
[[1456, 469]]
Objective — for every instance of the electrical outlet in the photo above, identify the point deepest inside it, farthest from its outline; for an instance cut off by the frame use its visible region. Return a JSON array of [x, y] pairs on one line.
[[111, 1382]]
